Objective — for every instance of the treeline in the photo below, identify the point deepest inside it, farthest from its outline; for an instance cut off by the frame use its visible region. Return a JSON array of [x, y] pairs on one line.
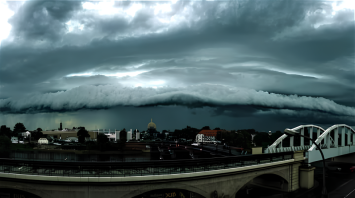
[[238, 138], [19, 128], [244, 138]]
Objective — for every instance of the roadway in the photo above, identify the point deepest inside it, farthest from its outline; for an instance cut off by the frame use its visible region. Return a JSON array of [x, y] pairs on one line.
[[220, 149], [346, 190], [339, 184]]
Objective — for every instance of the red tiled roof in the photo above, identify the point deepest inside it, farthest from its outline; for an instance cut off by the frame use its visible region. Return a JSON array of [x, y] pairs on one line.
[[209, 132]]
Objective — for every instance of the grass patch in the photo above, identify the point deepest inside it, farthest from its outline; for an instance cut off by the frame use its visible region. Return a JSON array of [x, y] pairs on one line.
[[21, 147]]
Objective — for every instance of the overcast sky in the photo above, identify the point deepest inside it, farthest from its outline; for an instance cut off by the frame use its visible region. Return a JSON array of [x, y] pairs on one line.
[[267, 65]]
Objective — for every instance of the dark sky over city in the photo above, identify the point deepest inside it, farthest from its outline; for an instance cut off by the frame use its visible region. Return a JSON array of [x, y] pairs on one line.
[[267, 65]]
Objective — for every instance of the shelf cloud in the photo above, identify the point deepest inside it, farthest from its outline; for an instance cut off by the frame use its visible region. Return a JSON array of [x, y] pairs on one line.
[[238, 59], [108, 96]]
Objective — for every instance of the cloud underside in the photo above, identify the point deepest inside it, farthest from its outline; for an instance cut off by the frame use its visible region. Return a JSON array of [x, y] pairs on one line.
[[243, 58], [229, 99]]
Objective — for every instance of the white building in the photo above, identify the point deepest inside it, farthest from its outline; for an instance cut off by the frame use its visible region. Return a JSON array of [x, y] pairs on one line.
[[115, 135], [25, 134], [138, 135], [207, 136], [129, 135], [71, 139], [14, 139], [42, 141]]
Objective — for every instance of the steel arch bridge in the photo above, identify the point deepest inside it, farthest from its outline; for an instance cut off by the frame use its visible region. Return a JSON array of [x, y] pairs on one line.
[[331, 144]]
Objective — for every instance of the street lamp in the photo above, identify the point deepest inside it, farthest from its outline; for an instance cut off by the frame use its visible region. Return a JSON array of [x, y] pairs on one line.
[[294, 133]]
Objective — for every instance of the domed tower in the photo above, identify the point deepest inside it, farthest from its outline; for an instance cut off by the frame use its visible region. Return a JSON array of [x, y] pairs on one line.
[[152, 125]]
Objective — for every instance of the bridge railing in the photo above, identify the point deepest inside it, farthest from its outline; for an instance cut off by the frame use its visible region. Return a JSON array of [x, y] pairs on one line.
[[127, 169]]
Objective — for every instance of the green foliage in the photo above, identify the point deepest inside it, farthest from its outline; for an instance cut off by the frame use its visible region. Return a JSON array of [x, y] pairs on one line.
[[264, 139], [260, 138], [121, 144], [123, 139], [82, 134], [5, 145], [90, 145], [5, 131], [36, 135], [206, 128], [22, 147], [102, 138], [123, 135], [240, 138], [187, 133], [162, 136], [19, 127], [103, 142]]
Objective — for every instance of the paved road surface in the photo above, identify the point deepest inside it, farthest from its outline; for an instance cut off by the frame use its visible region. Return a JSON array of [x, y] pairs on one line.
[[339, 184], [346, 190]]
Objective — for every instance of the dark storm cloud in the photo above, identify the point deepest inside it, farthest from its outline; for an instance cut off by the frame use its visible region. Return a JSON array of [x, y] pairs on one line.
[[108, 96], [297, 116], [283, 47], [305, 117], [41, 20], [105, 51]]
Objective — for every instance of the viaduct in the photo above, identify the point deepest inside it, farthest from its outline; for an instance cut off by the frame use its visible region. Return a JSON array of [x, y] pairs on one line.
[[283, 167]]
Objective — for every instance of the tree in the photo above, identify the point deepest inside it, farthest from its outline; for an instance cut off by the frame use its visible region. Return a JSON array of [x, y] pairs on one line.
[[82, 134], [262, 139], [19, 127], [5, 131], [219, 135], [161, 136], [5, 145], [217, 128], [36, 135], [102, 140], [240, 138], [39, 130], [123, 135], [206, 128]]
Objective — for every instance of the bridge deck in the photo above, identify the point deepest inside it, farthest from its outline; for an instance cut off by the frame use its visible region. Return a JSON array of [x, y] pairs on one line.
[[116, 171]]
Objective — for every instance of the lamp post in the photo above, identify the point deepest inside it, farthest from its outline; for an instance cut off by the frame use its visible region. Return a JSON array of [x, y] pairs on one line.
[[294, 133]]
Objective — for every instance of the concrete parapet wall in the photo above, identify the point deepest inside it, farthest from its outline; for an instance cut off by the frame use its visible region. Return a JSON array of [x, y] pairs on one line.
[[226, 182]]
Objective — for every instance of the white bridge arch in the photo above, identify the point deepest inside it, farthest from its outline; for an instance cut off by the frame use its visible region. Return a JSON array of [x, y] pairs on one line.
[[329, 141]]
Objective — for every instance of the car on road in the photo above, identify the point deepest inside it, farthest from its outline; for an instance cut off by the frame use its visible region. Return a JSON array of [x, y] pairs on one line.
[[341, 167]]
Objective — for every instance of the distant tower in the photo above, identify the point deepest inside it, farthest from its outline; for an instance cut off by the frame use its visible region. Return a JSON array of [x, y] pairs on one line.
[[60, 128]]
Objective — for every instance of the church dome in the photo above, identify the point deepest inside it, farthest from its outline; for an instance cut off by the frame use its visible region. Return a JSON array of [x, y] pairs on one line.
[[152, 124]]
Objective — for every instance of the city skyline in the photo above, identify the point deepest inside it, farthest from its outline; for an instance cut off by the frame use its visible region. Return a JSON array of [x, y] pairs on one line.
[[228, 64]]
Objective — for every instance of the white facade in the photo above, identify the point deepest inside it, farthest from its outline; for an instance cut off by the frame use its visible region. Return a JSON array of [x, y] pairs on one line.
[[138, 135], [129, 135], [25, 134], [42, 141], [14, 139], [206, 139], [115, 135], [69, 139], [112, 136]]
